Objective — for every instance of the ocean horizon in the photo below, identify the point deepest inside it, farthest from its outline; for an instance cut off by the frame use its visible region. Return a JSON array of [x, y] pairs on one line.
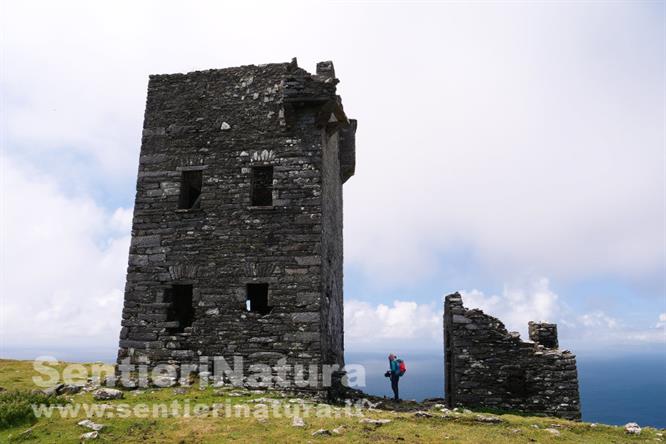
[[614, 390]]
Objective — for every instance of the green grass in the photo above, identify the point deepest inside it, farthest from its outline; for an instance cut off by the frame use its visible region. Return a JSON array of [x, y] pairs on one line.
[[404, 427], [15, 407]]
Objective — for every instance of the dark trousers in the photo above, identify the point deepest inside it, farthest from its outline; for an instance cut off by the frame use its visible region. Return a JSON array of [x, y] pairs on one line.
[[394, 386]]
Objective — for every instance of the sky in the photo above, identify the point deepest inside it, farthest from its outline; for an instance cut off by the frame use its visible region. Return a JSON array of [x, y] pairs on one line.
[[512, 151]]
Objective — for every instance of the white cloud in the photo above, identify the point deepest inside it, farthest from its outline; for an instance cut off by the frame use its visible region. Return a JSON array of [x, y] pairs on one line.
[[650, 336], [662, 321], [403, 322], [413, 325], [535, 301], [517, 305], [407, 324], [121, 220], [598, 319], [599, 329], [63, 264], [540, 151]]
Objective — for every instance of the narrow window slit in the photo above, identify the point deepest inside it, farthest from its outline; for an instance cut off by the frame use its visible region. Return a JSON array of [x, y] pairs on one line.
[[257, 298], [180, 309], [190, 190], [262, 186]]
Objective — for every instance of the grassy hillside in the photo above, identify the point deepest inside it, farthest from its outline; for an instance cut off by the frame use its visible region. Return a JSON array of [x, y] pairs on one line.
[[430, 424]]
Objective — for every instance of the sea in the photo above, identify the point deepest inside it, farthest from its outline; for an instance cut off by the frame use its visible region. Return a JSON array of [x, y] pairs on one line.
[[614, 390]]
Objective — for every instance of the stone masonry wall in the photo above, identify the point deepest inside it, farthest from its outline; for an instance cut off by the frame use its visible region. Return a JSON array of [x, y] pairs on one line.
[[223, 123], [488, 367]]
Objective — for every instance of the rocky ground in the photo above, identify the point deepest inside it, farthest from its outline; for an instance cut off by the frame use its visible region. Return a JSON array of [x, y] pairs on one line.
[[232, 414]]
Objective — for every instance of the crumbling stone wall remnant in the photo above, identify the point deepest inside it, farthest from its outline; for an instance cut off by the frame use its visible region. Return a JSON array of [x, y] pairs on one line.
[[237, 233], [488, 367], [543, 333]]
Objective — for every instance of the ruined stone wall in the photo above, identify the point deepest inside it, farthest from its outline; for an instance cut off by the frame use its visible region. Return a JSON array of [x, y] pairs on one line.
[[332, 303], [223, 123], [332, 329], [488, 367]]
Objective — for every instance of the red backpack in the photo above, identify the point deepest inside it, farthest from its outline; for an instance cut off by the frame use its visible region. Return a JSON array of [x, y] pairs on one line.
[[402, 368]]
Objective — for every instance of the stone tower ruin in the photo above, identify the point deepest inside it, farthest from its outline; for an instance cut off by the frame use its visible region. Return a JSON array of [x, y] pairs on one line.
[[237, 233], [486, 366]]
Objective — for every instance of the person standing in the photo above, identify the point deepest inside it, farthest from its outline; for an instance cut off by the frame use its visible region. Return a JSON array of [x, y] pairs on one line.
[[397, 369]]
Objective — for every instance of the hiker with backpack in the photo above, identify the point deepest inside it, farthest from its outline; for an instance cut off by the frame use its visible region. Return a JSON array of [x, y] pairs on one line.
[[397, 369]]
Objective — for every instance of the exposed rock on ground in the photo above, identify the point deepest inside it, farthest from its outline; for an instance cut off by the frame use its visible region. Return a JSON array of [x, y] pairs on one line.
[[632, 428], [488, 419], [107, 393], [91, 425], [322, 432], [338, 430]]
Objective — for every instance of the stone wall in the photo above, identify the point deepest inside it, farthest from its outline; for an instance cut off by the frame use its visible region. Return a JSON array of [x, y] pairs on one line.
[[223, 123], [543, 333], [488, 367]]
